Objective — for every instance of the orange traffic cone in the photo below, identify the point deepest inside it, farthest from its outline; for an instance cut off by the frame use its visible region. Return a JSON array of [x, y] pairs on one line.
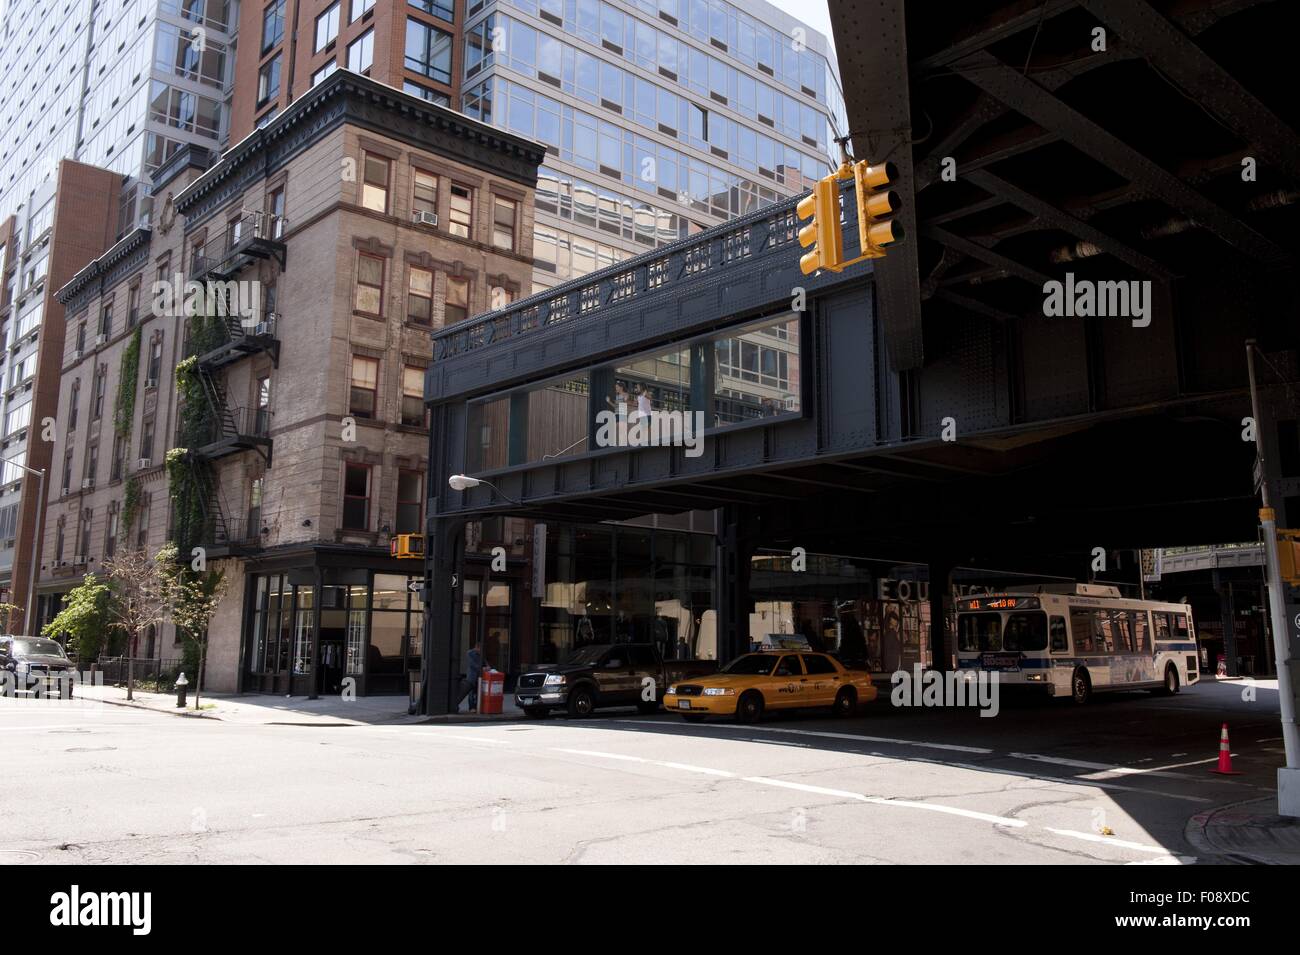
[[1225, 755]]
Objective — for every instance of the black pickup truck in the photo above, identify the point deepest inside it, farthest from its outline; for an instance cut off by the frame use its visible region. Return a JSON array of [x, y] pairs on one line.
[[610, 674]]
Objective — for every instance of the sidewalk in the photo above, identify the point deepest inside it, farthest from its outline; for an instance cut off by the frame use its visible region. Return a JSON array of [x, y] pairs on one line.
[[1246, 832], [292, 711]]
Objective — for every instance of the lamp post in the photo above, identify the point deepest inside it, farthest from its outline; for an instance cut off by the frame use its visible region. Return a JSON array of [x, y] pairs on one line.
[[463, 482], [28, 613]]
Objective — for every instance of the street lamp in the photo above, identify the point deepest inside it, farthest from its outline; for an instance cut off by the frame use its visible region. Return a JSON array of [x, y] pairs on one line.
[[28, 613], [463, 482]]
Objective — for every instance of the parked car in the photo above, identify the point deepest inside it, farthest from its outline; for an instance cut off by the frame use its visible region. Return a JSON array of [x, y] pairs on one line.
[[32, 659], [604, 675], [772, 679]]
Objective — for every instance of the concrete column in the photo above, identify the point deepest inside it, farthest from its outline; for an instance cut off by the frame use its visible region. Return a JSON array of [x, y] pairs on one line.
[[734, 550]]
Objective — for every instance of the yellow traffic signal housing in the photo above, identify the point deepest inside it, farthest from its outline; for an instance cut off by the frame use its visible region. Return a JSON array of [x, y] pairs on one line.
[[822, 206], [407, 545], [1288, 555], [877, 205]]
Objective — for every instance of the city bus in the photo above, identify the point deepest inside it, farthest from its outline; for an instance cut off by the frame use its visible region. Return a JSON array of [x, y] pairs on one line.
[[1077, 639]]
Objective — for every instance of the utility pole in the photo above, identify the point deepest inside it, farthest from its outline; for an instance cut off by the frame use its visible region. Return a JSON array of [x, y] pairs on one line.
[[1288, 777]]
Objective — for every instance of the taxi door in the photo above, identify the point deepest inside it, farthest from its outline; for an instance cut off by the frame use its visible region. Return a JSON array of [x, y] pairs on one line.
[[786, 686], [822, 680]]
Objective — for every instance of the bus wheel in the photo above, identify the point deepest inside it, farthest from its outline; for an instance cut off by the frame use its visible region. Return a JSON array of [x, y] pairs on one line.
[[1171, 681], [1080, 686]]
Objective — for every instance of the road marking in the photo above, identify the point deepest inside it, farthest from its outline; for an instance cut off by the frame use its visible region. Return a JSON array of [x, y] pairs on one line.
[[687, 767], [1110, 841], [1165, 860], [861, 739], [1103, 769], [1070, 781]]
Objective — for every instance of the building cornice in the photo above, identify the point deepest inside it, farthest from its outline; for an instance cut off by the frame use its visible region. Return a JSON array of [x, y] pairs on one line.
[[351, 99], [100, 272]]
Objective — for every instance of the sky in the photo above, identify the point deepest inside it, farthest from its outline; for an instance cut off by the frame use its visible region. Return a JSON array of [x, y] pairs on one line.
[[812, 12]]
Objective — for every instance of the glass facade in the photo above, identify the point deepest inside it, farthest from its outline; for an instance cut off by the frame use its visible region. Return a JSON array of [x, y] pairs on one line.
[[154, 72], [370, 632], [620, 584], [744, 374], [661, 117]]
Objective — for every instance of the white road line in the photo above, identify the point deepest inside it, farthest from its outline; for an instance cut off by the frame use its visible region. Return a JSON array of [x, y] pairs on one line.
[[1197, 762], [1110, 841], [860, 739], [1165, 860], [882, 801], [687, 767], [1068, 781], [1101, 769]]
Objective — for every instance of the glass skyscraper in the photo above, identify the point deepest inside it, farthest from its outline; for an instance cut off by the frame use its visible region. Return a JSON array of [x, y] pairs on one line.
[[661, 117], [118, 85]]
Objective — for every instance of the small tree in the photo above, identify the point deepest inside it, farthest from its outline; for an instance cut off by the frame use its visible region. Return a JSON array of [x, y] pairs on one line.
[[192, 597], [85, 618], [142, 601]]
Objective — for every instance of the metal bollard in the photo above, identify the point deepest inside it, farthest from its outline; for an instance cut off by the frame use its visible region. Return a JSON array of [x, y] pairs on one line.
[[182, 685]]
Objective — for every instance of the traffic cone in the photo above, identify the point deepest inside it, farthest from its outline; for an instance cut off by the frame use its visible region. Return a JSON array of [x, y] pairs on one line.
[[1225, 755]]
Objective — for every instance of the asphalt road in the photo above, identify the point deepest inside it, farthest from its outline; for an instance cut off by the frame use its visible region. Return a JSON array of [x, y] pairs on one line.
[[1113, 782]]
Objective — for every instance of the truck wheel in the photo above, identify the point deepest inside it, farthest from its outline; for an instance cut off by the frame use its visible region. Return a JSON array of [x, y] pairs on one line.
[[846, 702], [1080, 686], [581, 703], [749, 708], [536, 712], [647, 707]]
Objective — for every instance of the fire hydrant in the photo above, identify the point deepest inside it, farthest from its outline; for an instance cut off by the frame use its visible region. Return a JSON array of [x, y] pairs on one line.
[[182, 685]]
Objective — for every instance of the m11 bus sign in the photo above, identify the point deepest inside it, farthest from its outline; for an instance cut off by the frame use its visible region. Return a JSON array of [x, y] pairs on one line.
[[999, 603]]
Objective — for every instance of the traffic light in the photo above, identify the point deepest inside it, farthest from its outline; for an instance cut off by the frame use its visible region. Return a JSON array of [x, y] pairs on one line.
[[1288, 555], [877, 205], [822, 206], [407, 546]]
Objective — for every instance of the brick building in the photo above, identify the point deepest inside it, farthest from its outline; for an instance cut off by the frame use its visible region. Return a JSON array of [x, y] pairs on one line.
[[288, 46], [336, 242], [68, 222]]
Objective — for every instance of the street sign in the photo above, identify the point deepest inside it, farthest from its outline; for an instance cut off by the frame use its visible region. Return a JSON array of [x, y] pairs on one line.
[[415, 585]]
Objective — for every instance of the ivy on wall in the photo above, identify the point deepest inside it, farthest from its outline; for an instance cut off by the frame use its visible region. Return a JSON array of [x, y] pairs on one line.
[[124, 406], [189, 476], [130, 503]]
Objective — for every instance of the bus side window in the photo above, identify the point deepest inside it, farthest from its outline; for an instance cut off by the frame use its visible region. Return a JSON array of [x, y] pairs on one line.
[[1161, 618], [1104, 632], [1180, 631], [1143, 645], [1123, 621], [1081, 625], [1059, 642]]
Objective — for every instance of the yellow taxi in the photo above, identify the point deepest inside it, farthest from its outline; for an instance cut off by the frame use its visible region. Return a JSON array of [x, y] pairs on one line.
[[771, 680]]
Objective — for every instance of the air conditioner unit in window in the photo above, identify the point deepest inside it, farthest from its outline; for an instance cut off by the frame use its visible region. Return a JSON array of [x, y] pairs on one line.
[[426, 218], [101, 339], [150, 383], [60, 563], [79, 559], [9, 542], [76, 354], [87, 483], [143, 463]]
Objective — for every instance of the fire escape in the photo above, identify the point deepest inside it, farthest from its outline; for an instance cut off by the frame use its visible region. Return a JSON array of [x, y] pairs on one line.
[[236, 332]]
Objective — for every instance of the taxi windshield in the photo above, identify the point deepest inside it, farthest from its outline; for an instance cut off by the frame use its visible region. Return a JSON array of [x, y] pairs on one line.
[[752, 664]]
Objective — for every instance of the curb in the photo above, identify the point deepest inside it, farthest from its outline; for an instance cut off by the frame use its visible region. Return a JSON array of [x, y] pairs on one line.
[[1195, 834], [153, 709]]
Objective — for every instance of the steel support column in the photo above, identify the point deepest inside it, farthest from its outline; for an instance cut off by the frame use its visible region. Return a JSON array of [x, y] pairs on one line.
[[442, 573]]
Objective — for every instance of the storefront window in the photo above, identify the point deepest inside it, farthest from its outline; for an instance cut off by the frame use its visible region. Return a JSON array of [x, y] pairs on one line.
[[302, 632]]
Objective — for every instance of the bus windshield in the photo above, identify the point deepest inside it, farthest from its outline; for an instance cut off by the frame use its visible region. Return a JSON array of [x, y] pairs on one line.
[[993, 632]]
